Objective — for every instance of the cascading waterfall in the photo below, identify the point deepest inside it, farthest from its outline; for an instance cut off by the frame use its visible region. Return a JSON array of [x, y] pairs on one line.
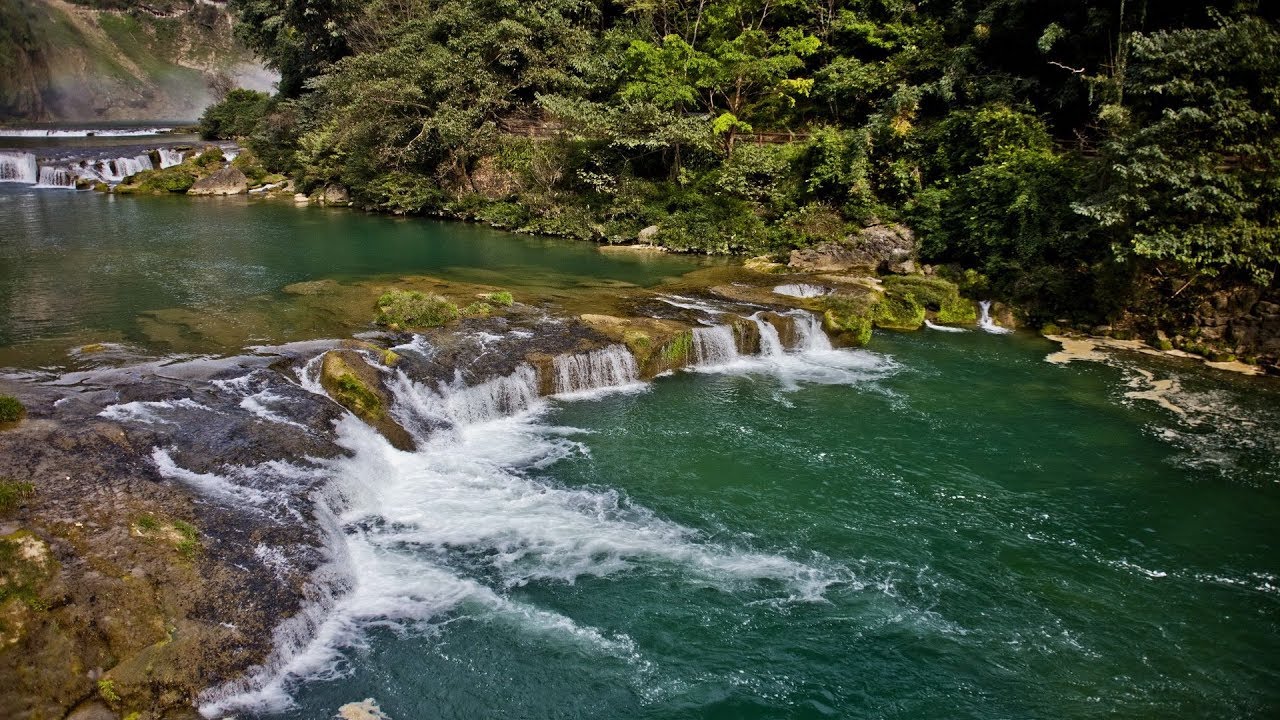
[[714, 345], [56, 177], [170, 157], [810, 335], [770, 341], [18, 168], [457, 403], [986, 323], [610, 366]]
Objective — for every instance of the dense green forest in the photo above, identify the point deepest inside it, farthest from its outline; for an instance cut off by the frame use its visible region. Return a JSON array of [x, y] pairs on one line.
[[1078, 158]]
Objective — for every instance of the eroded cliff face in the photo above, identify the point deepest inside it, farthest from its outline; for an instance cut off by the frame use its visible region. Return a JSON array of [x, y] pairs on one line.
[[61, 61]]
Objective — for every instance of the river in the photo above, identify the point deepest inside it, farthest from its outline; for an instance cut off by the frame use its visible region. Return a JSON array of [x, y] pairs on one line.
[[936, 525]]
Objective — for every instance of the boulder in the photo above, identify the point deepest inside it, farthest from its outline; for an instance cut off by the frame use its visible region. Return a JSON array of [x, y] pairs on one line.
[[227, 181], [335, 194], [647, 235], [875, 248]]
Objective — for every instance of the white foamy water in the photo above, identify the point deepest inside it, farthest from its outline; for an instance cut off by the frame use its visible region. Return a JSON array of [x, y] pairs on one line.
[[801, 290], [986, 323], [811, 360], [450, 529], [18, 167], [690, 304], [944, 328], [612, 366], [82, 132]]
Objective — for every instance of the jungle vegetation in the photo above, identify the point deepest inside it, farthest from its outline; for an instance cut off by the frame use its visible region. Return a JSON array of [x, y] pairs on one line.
[[1081, 156]]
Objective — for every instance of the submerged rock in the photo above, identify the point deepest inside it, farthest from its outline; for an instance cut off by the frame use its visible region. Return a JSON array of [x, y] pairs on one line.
[[227, 181]]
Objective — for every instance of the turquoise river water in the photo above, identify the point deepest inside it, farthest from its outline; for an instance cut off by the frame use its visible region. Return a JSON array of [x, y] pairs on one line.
[[938, 525]]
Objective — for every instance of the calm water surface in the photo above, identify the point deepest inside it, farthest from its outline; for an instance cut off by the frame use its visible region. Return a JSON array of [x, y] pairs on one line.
[[81, 267]]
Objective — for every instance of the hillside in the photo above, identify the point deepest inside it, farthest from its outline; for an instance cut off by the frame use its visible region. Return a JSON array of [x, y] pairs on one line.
[[122, 60]]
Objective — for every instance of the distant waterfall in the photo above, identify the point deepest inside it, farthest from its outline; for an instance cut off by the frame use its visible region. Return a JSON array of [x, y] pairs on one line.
[[986, 323], [169, 157], [801, 290], [56, 177], [607, 367], [18, 168], [714, 345]]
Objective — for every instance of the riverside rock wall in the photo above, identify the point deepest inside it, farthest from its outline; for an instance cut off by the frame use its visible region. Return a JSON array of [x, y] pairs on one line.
[[129, 61]]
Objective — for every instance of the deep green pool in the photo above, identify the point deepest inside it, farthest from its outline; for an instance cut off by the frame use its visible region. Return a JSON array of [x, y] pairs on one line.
[[79, 267], [957, 529]]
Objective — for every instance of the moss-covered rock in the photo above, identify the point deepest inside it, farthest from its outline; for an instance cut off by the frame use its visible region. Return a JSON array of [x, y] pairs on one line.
[[936, 295], [352, 383], [848, 318]]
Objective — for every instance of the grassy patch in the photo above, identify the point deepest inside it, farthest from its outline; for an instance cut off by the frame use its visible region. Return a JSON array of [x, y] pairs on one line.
[[11, 409], [12, 493], [477, 309], [501, 298], [176, 179], [405, 309]]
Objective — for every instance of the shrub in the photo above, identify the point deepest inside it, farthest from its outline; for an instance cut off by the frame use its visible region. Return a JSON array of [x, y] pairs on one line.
[[176, 179], [501, 298], [11, 409], [107, 690], [210, 157], [477, 309], [1050, 329], [411, 308], [248, 164], [236, 115]]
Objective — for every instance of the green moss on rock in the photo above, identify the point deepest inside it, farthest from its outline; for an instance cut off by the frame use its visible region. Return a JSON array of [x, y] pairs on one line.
[[848, 317]]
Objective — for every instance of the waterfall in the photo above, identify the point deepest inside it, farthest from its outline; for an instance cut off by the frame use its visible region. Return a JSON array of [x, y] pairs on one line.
[[714, 345], [810, 335], [801, 290], [770, 341], [169, 157], [18, 167], [56, 177], [607, 367], [986, 323], [115, 171], [460, 404]]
